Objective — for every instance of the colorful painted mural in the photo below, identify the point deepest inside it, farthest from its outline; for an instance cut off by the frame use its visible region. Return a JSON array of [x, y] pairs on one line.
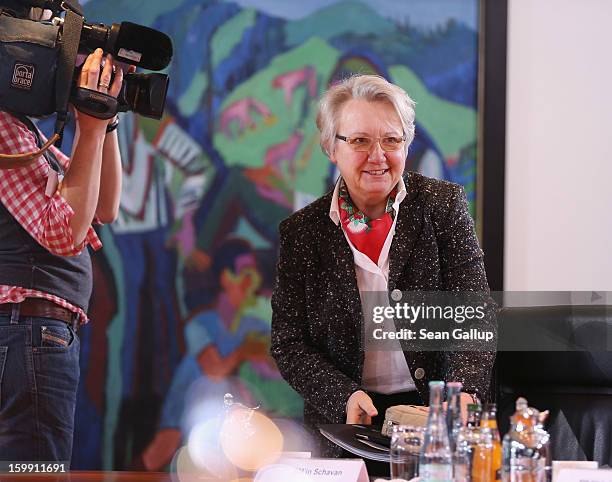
[[182, 287]]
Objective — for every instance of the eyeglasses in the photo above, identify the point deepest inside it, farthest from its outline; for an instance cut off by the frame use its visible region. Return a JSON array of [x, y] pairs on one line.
[[364, 144]]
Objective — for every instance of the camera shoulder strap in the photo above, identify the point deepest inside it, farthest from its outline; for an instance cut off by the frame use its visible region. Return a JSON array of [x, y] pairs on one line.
[[12, 161], [48, 154], [69, 49]]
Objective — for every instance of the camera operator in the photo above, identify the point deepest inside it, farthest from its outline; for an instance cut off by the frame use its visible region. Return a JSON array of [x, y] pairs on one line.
[[46, 273]]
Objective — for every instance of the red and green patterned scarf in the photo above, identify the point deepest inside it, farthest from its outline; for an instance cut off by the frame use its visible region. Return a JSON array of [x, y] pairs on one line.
[[367, 235]]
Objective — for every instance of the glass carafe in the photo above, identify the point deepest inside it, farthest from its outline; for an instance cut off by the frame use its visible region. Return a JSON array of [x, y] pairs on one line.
[[526, 447], [435, 461]]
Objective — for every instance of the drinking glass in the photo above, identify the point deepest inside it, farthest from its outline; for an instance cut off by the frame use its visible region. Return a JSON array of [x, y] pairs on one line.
[[473, 458], [406, 443]]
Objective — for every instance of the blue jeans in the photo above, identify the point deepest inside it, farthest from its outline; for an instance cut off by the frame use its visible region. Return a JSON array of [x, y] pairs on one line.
[[39, 375]]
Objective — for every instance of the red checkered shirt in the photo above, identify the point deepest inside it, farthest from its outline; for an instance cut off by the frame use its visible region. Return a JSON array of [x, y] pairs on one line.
[[46, 217]]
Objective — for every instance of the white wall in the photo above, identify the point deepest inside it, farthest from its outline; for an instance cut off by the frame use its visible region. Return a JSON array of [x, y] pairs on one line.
[[558, 217]]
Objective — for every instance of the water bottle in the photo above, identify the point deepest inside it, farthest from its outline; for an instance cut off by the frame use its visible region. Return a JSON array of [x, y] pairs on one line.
[[435, 460], [526, 447], [489, 420], [453, 412]]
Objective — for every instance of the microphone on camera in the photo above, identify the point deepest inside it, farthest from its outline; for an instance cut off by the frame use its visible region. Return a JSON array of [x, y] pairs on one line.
[[130, 43], [142, 46]]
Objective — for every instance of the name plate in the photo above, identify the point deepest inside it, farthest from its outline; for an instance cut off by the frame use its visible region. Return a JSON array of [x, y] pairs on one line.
[[314, 470], [558, 465], [584, 475]]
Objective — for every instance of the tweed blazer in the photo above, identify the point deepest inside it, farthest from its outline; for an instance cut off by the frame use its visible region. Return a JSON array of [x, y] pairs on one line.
[[317, 315]]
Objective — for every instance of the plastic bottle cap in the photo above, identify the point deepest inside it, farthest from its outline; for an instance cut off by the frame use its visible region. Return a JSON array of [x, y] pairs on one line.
[[521, 404]]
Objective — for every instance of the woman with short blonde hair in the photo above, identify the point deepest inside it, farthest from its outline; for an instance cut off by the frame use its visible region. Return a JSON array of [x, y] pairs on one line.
[[372, 88], [379, 230]]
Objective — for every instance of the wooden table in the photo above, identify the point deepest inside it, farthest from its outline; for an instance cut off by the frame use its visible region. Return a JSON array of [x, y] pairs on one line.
[[83, 476]]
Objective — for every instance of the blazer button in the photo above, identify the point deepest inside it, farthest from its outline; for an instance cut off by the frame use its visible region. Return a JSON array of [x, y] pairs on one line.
[[396, 295], [419, 373]]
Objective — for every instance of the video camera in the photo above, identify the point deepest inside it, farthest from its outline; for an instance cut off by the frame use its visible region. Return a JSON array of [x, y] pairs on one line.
[[38, 58]]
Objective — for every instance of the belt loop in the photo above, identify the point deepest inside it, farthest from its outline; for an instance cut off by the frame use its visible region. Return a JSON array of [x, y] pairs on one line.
[[75, 322], [15, 313]]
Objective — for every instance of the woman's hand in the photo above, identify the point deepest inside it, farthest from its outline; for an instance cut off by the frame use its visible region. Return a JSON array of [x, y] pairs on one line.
[[97, 74], [104, 84], [360, 408], [95, 154]]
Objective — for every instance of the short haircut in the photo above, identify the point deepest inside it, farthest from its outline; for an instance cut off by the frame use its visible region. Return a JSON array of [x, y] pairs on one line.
[[372, 88], [227, 253]]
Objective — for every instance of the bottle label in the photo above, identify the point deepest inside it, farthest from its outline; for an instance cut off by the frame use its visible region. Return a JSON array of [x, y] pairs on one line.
[[436, 473]]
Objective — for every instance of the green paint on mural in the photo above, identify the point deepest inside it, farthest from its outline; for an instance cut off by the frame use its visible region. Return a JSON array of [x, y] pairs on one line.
[[175, 183], [114, 336], [143, 12], [149, 127], [359, 66], [248, 147], [238, 189], [341, 18], [274, 396], [312, 165], [191, 100], [230, 34], [245, 230], [262, 309], [450, 125]]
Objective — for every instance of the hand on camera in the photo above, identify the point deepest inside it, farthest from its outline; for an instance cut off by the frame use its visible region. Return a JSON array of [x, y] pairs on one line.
[[99, 73]]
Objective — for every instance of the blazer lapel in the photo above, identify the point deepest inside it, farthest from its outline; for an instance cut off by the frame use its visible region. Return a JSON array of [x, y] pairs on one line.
[[407, 231], [342, 270]]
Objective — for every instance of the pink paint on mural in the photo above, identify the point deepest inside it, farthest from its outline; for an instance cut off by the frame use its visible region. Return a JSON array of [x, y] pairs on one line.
[[290, 81], [240, 111]]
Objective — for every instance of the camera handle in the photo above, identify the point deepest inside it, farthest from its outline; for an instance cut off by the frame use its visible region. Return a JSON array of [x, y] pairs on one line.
[[94, 103]]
